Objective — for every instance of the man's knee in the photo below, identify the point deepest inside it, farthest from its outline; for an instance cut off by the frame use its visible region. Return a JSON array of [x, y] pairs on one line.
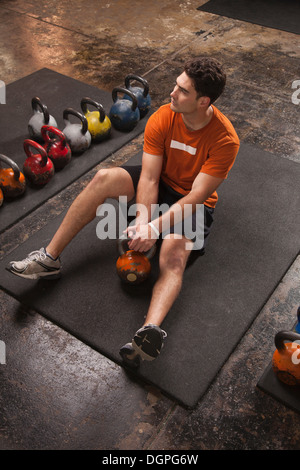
[[113, 181], [101, 177], [174, 256]]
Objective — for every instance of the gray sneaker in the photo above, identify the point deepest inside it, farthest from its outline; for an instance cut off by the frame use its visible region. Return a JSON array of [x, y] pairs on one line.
[[37, 265]]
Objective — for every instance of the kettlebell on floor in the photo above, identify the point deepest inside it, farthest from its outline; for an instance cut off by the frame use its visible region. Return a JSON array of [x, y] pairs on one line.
[[77, 135], [56, 147], [124, 114], [133, 267], [99, 124], [12, 181], [38, 168], [141, 93], [286, 358], [40, 118]]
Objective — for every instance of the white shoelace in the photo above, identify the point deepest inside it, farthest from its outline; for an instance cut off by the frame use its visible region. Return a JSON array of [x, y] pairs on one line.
[[34, 256]]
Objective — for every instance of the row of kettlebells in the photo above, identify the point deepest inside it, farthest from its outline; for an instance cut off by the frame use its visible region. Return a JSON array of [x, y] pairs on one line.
[[95, 126], [58, 146], [39, 166], [286, 358]]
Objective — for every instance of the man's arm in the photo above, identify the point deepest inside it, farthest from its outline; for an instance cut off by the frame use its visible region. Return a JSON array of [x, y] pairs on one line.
[[147, 190], [204, 185]]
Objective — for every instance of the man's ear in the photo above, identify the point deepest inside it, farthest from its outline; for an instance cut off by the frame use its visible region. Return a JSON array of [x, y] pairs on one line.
[[204, 101]]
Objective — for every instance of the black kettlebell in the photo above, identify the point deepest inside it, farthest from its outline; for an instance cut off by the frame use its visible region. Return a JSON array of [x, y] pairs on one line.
[[142, 94], [124, 114]]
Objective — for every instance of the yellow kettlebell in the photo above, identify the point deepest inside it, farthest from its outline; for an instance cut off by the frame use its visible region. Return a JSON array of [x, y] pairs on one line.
[[99, 124]]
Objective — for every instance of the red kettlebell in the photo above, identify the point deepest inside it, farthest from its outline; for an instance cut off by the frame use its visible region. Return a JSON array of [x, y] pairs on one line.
[[133, 267], [38, 168], [56, 146]]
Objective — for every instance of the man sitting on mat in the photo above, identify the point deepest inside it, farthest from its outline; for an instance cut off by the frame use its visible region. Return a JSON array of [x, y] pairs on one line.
[[189, 148]]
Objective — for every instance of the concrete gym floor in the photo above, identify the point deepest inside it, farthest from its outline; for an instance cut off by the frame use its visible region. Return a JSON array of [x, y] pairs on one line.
[[57, 393]]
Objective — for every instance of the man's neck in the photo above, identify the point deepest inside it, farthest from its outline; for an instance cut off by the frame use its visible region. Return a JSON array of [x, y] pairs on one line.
[[197, 121]]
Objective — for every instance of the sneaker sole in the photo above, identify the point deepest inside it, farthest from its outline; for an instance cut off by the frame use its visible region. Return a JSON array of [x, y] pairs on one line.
[[138, 341], [130, 358], [52, 275], [141, 353]]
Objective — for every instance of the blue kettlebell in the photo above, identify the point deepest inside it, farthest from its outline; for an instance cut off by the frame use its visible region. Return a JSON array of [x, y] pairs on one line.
[[297, 328], [124, 114], [142, 94]]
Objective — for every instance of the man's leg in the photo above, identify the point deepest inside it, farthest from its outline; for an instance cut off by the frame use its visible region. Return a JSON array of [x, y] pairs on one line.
[[106, 183], [172, 262], [148, 340]]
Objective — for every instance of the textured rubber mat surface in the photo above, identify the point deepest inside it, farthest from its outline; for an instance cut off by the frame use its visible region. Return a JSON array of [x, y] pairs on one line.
[[277, 14]]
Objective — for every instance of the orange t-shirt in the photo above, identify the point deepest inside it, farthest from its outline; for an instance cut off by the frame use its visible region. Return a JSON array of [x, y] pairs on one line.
[[211, 150]]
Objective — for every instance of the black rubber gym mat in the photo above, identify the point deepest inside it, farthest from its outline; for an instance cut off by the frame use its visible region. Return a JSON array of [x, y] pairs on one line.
[[254, 240], [277, 14], [286, 394], [57, 92]]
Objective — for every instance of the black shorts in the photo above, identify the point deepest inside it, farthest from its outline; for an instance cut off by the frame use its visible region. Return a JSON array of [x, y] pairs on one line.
[[166, 198]]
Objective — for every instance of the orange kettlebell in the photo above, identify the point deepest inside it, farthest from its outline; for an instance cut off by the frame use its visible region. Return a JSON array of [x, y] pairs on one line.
[[286, 358], [133, 267], [12, 181]]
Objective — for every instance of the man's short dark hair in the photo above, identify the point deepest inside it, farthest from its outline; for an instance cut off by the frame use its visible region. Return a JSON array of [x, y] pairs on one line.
[[208, 76]]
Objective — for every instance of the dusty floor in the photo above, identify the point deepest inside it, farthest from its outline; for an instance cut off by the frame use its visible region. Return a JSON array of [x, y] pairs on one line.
[[57, 393]]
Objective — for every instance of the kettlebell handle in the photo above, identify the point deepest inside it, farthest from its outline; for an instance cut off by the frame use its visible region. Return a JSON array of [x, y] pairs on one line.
[[282, 336], [83, 119], [119, 89], [46, 130], [123, 247], [37, 103], [11, 164], [298, 313], [31, 143], [98, 106], [137, 78]]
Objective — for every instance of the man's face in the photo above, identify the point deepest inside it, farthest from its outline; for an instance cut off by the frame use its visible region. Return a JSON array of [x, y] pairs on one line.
[[184, 96]]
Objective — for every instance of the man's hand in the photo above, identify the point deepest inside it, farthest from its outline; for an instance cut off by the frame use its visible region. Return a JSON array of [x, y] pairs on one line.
[[142, 236]]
